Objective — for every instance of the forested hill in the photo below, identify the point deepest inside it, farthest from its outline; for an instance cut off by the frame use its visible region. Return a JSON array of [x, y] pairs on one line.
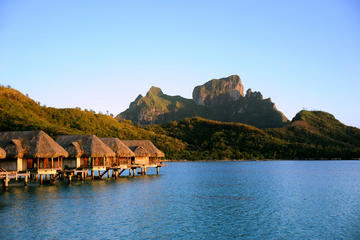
[[310, 135]]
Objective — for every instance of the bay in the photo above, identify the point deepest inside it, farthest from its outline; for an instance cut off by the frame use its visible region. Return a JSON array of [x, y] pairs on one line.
[[194, 200]]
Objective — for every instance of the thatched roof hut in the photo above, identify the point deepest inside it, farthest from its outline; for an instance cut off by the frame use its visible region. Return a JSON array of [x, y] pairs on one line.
[[146, 145], [30, 144], [140, 151], [120, 149], [2, 153], [84, 146]]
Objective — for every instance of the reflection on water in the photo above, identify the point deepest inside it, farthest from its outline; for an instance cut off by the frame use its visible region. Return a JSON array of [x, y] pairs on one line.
[[198, 200]]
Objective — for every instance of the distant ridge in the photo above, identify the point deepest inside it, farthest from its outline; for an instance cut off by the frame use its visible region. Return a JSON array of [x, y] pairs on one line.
[[218, 99]]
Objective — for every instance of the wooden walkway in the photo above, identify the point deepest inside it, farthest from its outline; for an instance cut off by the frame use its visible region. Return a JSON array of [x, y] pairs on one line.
[[6, 176], [71, 174]]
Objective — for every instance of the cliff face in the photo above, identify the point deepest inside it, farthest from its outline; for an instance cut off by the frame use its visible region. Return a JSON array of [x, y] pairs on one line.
[[218, 91], [218, 99]]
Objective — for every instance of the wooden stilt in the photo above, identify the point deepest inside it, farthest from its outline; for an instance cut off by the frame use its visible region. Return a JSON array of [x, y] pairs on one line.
[[70, 176], [92, 174], [134, 172], [157, 170], [26, 180], [129, 172], [6, 183], [41, 179], [99, 173], [108, 174]]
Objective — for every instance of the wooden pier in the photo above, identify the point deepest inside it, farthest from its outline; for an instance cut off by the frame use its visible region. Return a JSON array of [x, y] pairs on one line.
[[6, 176], [71, 175]]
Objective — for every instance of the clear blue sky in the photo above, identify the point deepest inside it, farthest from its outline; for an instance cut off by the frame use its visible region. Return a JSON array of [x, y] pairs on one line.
[[101, 54]]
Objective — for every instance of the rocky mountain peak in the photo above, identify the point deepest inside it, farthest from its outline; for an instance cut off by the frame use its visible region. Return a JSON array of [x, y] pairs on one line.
[[217, 91], [155, 91]]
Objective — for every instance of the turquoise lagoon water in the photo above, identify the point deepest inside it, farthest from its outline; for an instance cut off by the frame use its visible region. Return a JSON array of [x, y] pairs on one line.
[[195, 200]]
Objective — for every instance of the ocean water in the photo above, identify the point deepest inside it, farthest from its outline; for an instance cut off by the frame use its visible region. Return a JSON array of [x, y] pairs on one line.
[[195, 200]]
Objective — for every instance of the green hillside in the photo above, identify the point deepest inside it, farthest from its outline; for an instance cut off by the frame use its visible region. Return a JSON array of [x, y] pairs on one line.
[[18, 112]]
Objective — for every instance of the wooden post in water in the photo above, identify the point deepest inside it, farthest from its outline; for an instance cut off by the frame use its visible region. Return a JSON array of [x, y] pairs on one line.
[[26, 179], [157, 170], [6, 183], [129, 172], [99, 172], [41, 179], [134, 169], [92, 174]]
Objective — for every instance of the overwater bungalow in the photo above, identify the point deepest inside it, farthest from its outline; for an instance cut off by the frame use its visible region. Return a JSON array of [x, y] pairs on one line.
[[86, 152], [123, 153], [33, 151], [146, 154]]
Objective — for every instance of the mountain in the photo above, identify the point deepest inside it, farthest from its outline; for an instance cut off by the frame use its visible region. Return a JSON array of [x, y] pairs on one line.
[[218, 99], [19, 112]]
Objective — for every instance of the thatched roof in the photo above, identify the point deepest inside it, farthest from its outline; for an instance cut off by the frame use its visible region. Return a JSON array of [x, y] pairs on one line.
[[2, 153], [140, 151], [118, 147], [30, 144], [84, 146], [147, 145]]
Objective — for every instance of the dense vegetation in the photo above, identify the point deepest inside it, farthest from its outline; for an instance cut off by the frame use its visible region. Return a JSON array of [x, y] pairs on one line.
[[310, 135], [208, 139]]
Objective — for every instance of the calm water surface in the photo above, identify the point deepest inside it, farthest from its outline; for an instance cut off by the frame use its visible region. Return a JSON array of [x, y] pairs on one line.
[[195, 200]]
